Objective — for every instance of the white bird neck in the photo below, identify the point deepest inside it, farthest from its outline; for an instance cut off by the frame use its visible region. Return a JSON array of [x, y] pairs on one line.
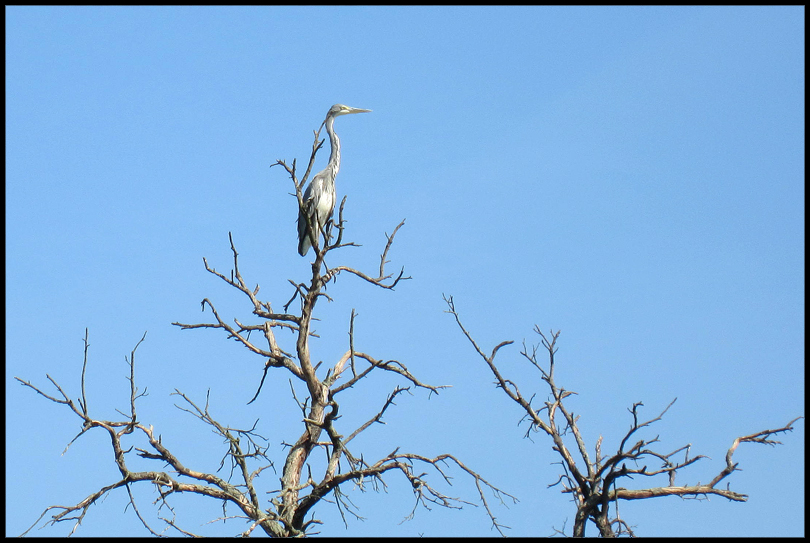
[[334, 142]]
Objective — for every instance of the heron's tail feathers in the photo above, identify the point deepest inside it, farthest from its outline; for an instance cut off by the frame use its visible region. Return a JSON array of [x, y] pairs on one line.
[[303, 235]]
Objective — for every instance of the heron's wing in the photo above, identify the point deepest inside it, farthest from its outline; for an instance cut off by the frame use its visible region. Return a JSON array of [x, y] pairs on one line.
[[309, 205], [303, 237], [325, 205], [319, 203]]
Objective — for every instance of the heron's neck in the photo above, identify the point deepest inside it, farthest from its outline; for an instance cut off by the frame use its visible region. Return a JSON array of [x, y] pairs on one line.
[[334, 142]]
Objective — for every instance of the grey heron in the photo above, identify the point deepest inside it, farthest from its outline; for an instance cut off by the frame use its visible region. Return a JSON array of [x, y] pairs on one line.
[[319, 196]]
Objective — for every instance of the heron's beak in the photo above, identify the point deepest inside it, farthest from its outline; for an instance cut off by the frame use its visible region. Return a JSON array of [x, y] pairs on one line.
[[357, 110]]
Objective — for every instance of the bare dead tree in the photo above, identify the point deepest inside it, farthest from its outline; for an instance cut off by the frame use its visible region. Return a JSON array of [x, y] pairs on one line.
[[302, 486], [593, 480]]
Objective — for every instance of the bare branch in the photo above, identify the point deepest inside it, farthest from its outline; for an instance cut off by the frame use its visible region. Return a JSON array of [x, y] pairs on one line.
[[382, 277], [378, 416], [83, 401], [759, 437], [390, 365]]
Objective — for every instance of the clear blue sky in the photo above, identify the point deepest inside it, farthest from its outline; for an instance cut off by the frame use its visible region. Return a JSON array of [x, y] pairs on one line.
[[631, 176]]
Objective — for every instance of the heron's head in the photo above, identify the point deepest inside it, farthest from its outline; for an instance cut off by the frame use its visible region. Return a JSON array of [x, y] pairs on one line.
[[340, 109]]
